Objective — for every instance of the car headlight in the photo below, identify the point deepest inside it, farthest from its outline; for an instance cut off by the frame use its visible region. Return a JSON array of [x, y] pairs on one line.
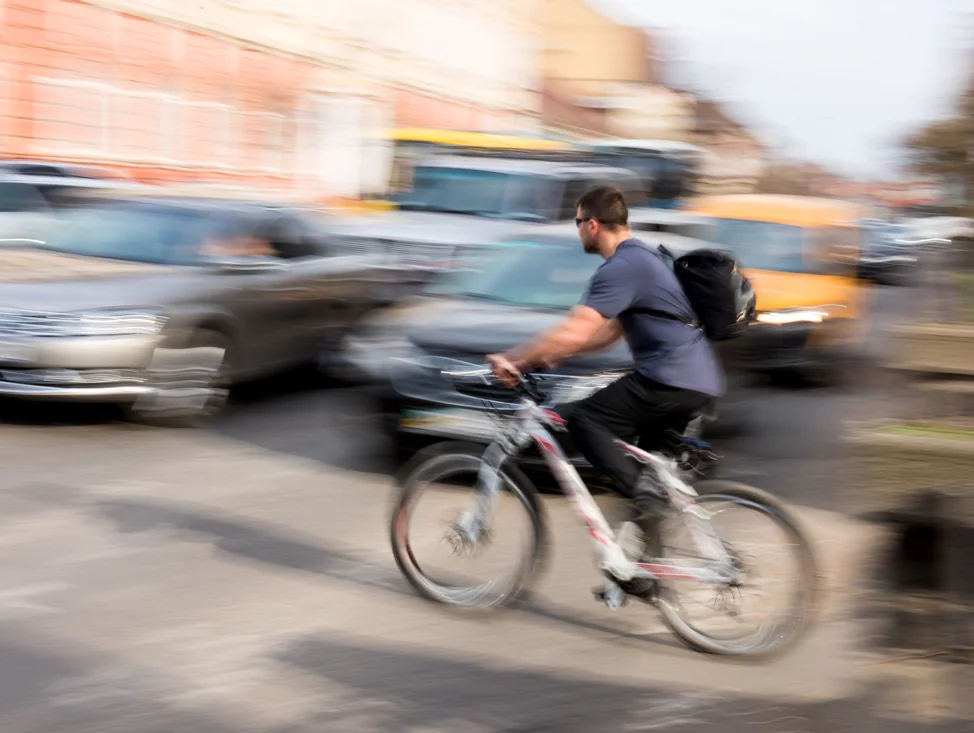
[[784, 317], [112, 322]]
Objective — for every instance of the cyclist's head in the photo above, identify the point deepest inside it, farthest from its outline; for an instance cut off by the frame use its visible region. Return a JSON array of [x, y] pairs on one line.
[[602, 212]]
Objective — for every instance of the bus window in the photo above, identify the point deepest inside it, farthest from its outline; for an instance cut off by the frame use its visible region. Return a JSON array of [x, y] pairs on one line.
[[572, 193]]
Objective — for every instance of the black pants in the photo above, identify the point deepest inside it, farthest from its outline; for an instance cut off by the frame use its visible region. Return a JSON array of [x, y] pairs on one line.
[[632, 407]]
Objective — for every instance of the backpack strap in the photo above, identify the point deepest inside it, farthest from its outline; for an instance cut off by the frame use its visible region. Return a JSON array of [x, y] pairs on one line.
[[663, 252], [692, 322]]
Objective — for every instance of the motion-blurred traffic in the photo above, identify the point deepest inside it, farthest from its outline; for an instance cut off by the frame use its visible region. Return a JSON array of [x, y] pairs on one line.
[[237, 242]]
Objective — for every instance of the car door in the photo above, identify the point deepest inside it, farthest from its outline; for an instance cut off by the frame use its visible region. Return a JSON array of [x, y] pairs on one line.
[[341, 288], [256, 288], [292, 315]]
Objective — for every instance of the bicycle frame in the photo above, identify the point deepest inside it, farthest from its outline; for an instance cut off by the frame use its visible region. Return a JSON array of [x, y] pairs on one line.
[[533, 423]]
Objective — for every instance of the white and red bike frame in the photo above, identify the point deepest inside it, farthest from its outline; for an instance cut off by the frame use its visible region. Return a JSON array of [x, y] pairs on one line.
[[532, 422]]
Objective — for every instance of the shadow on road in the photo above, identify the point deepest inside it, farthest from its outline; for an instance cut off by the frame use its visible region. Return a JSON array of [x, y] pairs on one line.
[[407, 690], [47, 688], [248, 540], [266, 545], [410, 689]]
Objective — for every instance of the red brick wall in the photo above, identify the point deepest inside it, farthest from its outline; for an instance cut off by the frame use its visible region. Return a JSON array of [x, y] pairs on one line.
[[83, 83]]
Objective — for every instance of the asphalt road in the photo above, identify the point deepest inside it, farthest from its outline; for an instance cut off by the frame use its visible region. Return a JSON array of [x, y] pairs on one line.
[[239, 579]]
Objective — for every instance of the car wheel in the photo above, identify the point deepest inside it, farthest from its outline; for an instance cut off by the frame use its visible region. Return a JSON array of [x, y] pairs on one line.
[[217, 388]]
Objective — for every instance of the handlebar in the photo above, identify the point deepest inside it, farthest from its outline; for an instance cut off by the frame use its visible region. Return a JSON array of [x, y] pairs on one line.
[[485, 375]]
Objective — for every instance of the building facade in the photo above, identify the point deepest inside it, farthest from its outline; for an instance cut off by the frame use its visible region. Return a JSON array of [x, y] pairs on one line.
[[736, 157], [286, 94], [607, 71]]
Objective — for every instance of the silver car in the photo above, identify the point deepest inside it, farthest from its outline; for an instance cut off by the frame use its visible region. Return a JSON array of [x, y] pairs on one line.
[[161, 304]]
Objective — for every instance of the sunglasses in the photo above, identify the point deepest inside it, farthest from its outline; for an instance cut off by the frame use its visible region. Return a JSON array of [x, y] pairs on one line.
[[578, 222]]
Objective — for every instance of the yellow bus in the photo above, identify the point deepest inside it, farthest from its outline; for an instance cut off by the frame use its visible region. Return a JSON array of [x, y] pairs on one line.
[[412, 144]]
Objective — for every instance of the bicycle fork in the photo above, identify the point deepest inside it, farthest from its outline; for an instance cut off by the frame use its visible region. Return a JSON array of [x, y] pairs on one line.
[[473, 521]]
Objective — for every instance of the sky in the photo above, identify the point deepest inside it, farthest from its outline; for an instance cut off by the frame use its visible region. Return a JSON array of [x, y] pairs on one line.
[[839, 82]]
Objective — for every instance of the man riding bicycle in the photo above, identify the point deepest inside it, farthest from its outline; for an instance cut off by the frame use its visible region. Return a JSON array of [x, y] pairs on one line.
[[634, 294]]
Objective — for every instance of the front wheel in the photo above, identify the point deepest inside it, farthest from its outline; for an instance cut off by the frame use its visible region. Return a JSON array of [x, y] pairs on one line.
[[748, 623], [430, 527], [212, 379]]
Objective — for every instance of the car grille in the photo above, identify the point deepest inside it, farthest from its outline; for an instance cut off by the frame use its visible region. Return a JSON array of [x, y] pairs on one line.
[[32, 324]]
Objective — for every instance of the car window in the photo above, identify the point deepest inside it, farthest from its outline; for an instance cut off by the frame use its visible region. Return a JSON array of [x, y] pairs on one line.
[[528, 274], [286, 236], [761, 245], [137, 233], [20, 197]]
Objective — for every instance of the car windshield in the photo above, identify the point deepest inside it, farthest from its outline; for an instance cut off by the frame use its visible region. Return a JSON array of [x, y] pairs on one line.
[[527, 274], [479, 193], [761, 245], [154, 234]]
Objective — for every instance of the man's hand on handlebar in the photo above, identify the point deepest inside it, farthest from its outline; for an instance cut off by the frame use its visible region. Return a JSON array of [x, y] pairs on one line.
[[505, 370]]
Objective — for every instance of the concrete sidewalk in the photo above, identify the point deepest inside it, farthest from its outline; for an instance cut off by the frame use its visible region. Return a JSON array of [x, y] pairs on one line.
[[178, 580]]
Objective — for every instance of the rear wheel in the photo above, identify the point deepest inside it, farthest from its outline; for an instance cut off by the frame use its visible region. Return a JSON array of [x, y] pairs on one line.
[[747, 625], [441, 481]]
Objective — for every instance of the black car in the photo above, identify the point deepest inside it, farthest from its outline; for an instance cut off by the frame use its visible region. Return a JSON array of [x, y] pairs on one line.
[[523, 287]]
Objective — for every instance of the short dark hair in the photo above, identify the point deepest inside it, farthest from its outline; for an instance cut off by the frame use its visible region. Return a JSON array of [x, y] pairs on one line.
[[606, 205]]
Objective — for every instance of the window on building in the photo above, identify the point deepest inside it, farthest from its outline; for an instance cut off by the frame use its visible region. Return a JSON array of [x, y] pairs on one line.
[[209, 133], [274, 140], [143, 124], [72, 117]]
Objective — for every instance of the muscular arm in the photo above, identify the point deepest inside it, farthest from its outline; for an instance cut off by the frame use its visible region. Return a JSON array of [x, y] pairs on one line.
[[610, 332], [585, 329], [590, 326]]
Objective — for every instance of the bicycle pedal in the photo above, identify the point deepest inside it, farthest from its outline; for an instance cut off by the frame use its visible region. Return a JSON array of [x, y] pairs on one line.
[[612, 596]]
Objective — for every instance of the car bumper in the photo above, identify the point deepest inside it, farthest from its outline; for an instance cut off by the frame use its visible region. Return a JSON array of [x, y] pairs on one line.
[[62, 393], [110, 370], [769, 348]]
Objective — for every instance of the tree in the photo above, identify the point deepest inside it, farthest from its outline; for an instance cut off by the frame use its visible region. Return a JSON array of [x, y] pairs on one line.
[[945, 148]]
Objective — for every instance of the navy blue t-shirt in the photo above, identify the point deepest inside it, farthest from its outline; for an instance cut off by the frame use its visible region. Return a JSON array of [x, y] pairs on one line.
[[636, 278]]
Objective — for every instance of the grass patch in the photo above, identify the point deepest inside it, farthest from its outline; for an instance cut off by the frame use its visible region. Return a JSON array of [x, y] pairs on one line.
[[931, 430], [965, 287]]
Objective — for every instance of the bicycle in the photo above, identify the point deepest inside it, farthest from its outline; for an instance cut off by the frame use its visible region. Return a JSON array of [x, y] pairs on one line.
[[531, 421]]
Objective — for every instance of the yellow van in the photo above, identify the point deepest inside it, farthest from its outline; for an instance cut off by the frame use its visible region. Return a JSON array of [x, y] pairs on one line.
[[802, 255]]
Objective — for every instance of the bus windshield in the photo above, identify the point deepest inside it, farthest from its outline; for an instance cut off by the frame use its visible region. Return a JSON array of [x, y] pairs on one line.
[[446, 190]]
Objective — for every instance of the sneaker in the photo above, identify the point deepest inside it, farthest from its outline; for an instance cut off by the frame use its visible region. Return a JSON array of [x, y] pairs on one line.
[[630, 538]]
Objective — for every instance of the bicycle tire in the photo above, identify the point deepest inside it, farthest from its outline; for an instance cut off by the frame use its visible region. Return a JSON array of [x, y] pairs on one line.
[[437, 458], [800, 618]]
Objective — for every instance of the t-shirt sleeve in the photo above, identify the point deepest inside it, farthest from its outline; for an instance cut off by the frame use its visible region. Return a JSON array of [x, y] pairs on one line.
[[612, 289]]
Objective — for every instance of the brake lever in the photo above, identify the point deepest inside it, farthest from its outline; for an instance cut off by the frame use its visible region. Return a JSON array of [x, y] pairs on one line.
[[527, 384]]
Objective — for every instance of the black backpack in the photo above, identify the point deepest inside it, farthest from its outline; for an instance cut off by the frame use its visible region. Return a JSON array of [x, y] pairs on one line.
[[721, 296]]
